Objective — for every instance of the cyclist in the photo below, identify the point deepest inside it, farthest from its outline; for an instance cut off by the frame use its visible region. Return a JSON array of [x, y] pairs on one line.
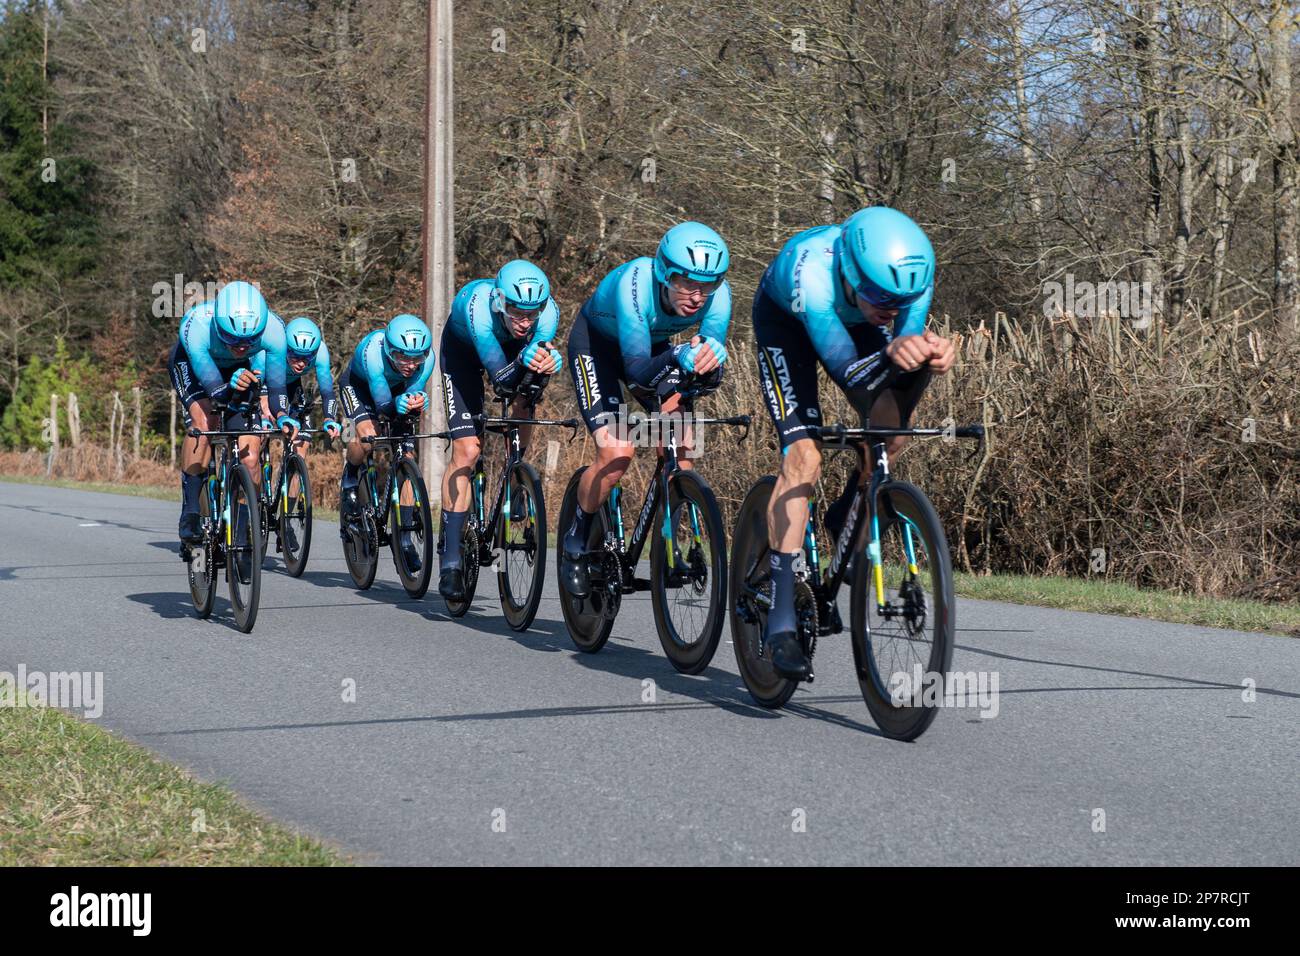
[[211, 363], [304, 346], [503, 326], [385, 379], [855, 297], [623, 334]]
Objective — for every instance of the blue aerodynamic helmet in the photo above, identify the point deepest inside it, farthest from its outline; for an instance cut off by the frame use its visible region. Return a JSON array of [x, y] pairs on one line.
[[693, 250], [519, 284], [239, 314], [885, 257], [407, 336], [302, 337]]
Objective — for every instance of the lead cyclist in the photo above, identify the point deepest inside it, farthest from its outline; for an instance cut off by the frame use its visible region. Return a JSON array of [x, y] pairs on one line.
[[854, 297]]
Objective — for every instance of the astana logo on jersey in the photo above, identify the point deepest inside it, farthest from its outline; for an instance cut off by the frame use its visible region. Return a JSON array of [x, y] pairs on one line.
[[591, 387], [776, 378]]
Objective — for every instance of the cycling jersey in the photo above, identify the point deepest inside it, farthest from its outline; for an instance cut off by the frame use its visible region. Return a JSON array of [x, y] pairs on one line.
[[804, 282], [371, 385], [473, 323], [207, 359], [801, 312], [626, 308], [475, 341], [324, 380]]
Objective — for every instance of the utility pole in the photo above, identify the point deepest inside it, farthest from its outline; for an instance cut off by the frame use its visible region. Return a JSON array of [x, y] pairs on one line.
[[438, 236]]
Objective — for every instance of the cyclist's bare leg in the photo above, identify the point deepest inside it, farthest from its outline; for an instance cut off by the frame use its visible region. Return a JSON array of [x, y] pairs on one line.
[[685, 436], [250, 447], [522, 408], [885, 414], [613, 457], [195, 452], [356, 451], [455, 479], [787, 512]]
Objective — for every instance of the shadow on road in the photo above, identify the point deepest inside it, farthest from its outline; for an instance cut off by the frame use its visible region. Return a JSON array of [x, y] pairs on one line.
[[175, 605], [1185, 683]]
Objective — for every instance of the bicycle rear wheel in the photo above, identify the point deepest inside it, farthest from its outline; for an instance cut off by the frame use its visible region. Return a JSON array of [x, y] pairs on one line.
[[412, 530], [914, 630], [750, 570], [202, 566], [361, 536], [244, 548], [521, 570], [265, 497], [295, 516], [688, 597], [591, 619], [469, 563]]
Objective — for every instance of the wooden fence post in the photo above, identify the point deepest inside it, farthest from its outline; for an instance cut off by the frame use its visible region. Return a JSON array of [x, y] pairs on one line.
[[74, 420], [54, 434], [135, 433], [119, 414]]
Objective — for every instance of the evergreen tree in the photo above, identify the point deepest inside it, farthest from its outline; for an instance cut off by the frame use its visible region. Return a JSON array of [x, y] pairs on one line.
[[46, 219]]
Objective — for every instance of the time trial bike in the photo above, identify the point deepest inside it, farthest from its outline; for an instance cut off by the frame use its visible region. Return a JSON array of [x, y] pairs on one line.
[[901, 595]]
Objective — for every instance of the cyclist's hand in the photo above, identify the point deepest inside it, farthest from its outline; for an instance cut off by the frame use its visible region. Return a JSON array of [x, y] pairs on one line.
[[288, 425], [909, 352], [267, 425], [243, 379], [943, 354], [539, 357], [332, 428], [709, 354], [410, 402]]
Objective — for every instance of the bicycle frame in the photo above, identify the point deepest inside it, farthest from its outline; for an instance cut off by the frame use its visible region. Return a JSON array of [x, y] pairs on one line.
[[656, 493], [278, 500], [862, 526], [507, 428], [217, 485], [405, 444]]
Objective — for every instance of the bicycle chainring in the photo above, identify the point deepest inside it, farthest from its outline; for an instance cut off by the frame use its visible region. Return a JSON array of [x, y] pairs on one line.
[[805, 611]]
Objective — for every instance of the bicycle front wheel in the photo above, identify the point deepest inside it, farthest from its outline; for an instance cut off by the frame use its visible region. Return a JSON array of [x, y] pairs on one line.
[[412, 530], [902, 614], [295, 516], [244, 548], [688, 584], [521, 555], [203, 563]]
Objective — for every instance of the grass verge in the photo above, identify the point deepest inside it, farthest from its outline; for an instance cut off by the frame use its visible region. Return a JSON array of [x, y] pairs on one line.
[[74, 794], [1109, 597]]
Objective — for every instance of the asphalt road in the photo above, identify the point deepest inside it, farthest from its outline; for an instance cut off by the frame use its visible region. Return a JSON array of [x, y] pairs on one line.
[[460, 725]]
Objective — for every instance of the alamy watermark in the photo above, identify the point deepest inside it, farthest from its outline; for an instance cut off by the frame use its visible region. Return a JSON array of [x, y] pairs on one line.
[[954, 689], [67, 690], [1090, 300], [172, 298], [626, 427]]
